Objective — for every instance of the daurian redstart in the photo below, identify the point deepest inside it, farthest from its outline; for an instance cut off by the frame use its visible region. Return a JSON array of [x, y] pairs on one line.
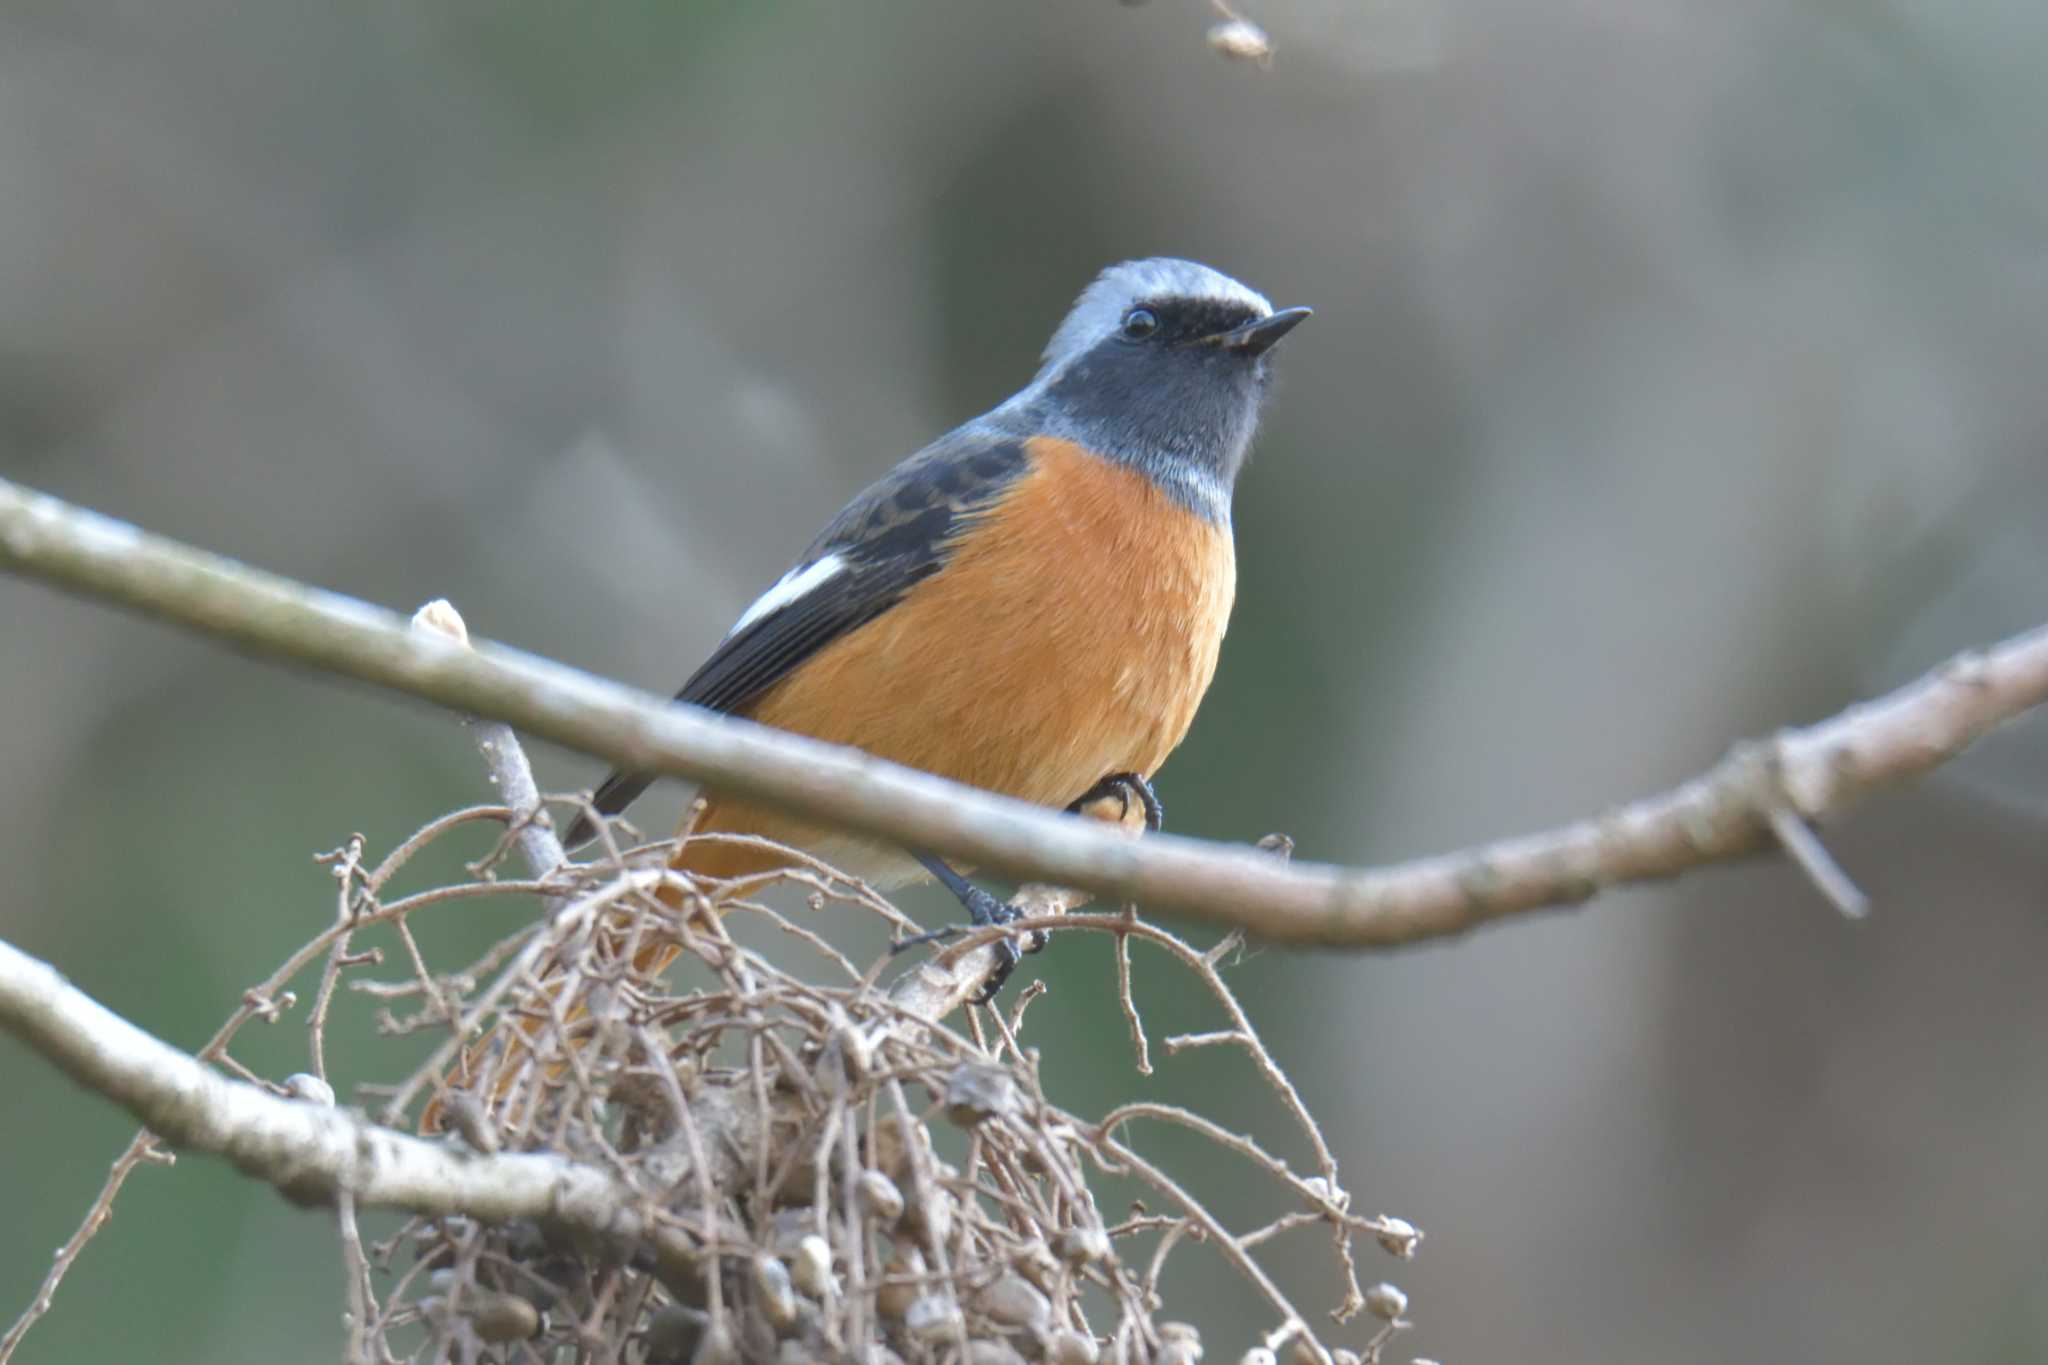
[[1033, 603]]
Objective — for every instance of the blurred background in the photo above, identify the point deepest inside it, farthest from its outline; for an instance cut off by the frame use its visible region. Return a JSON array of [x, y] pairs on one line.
[[1675, 376]]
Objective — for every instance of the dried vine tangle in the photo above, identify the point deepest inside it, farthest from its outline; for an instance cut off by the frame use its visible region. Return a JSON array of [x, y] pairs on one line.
[[1016, 1211]]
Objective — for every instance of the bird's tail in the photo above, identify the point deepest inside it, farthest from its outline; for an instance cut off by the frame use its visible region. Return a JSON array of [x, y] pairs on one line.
[[619, 790]]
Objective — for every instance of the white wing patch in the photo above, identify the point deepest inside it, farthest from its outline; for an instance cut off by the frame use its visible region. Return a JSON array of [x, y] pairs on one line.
[[797, 583]]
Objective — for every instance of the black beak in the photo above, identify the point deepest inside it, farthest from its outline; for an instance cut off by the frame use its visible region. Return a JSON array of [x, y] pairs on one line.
[[1259, 335]]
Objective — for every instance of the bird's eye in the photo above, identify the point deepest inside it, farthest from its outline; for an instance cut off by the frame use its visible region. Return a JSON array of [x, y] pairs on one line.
[[1139, 323]]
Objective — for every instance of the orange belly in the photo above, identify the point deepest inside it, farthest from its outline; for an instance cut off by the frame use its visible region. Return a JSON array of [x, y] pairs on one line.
[[1071, 635]]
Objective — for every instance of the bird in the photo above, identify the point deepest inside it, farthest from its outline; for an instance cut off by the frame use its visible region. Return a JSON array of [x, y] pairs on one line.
[[1033, 604]]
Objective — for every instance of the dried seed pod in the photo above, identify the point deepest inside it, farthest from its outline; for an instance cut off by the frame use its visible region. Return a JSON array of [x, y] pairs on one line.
[[1386, 1301], [1179, 1344], [1306, 1352], [1012, 1301], [889, 1149], [502, 1317], [1398, 1236], [1086, 1246], [856, 1051], [932, 1317], [893, 1300], [1068, 1347], [929, 1216], [977, 1092], [810, 1267], [878, 1197], [774, 1292]]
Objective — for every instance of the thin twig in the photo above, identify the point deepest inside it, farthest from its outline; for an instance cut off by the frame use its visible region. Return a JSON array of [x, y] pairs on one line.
[[510, 773], [141, 1149], [1126, 1001], [362, 1299]]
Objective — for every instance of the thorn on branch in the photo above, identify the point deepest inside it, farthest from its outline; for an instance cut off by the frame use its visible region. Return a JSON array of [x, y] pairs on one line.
[[1797, 838]]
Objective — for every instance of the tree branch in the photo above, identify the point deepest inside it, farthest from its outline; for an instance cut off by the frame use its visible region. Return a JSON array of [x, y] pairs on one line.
[[1814, 772], [311, 1152]]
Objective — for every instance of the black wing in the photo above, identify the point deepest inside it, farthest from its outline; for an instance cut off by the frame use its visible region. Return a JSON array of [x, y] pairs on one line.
[[895, 533]]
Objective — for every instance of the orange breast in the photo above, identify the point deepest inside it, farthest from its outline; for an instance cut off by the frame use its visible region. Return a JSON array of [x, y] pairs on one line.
[[1071, 635]]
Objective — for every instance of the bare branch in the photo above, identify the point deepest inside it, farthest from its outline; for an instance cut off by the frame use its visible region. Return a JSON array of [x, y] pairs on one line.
[[310, 1152], [141, 1150], [1816, 772], [510, 772]]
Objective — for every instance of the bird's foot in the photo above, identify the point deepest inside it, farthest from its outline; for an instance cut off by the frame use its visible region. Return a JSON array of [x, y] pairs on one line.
[[1126, 788], [983, 909]]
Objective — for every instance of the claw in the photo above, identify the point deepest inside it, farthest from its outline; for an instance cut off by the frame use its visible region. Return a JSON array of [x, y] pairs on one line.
[[982, 909], [1127, 787]]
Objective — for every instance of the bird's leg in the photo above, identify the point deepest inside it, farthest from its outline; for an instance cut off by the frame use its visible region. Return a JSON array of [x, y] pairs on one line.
[[983, 908]]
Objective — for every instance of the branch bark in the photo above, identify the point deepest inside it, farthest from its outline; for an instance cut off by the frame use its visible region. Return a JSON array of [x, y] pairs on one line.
[[1814, 772], [311, 1152]]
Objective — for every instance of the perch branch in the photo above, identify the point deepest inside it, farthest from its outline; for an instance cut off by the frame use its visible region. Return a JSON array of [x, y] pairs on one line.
[[1814, 772]]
